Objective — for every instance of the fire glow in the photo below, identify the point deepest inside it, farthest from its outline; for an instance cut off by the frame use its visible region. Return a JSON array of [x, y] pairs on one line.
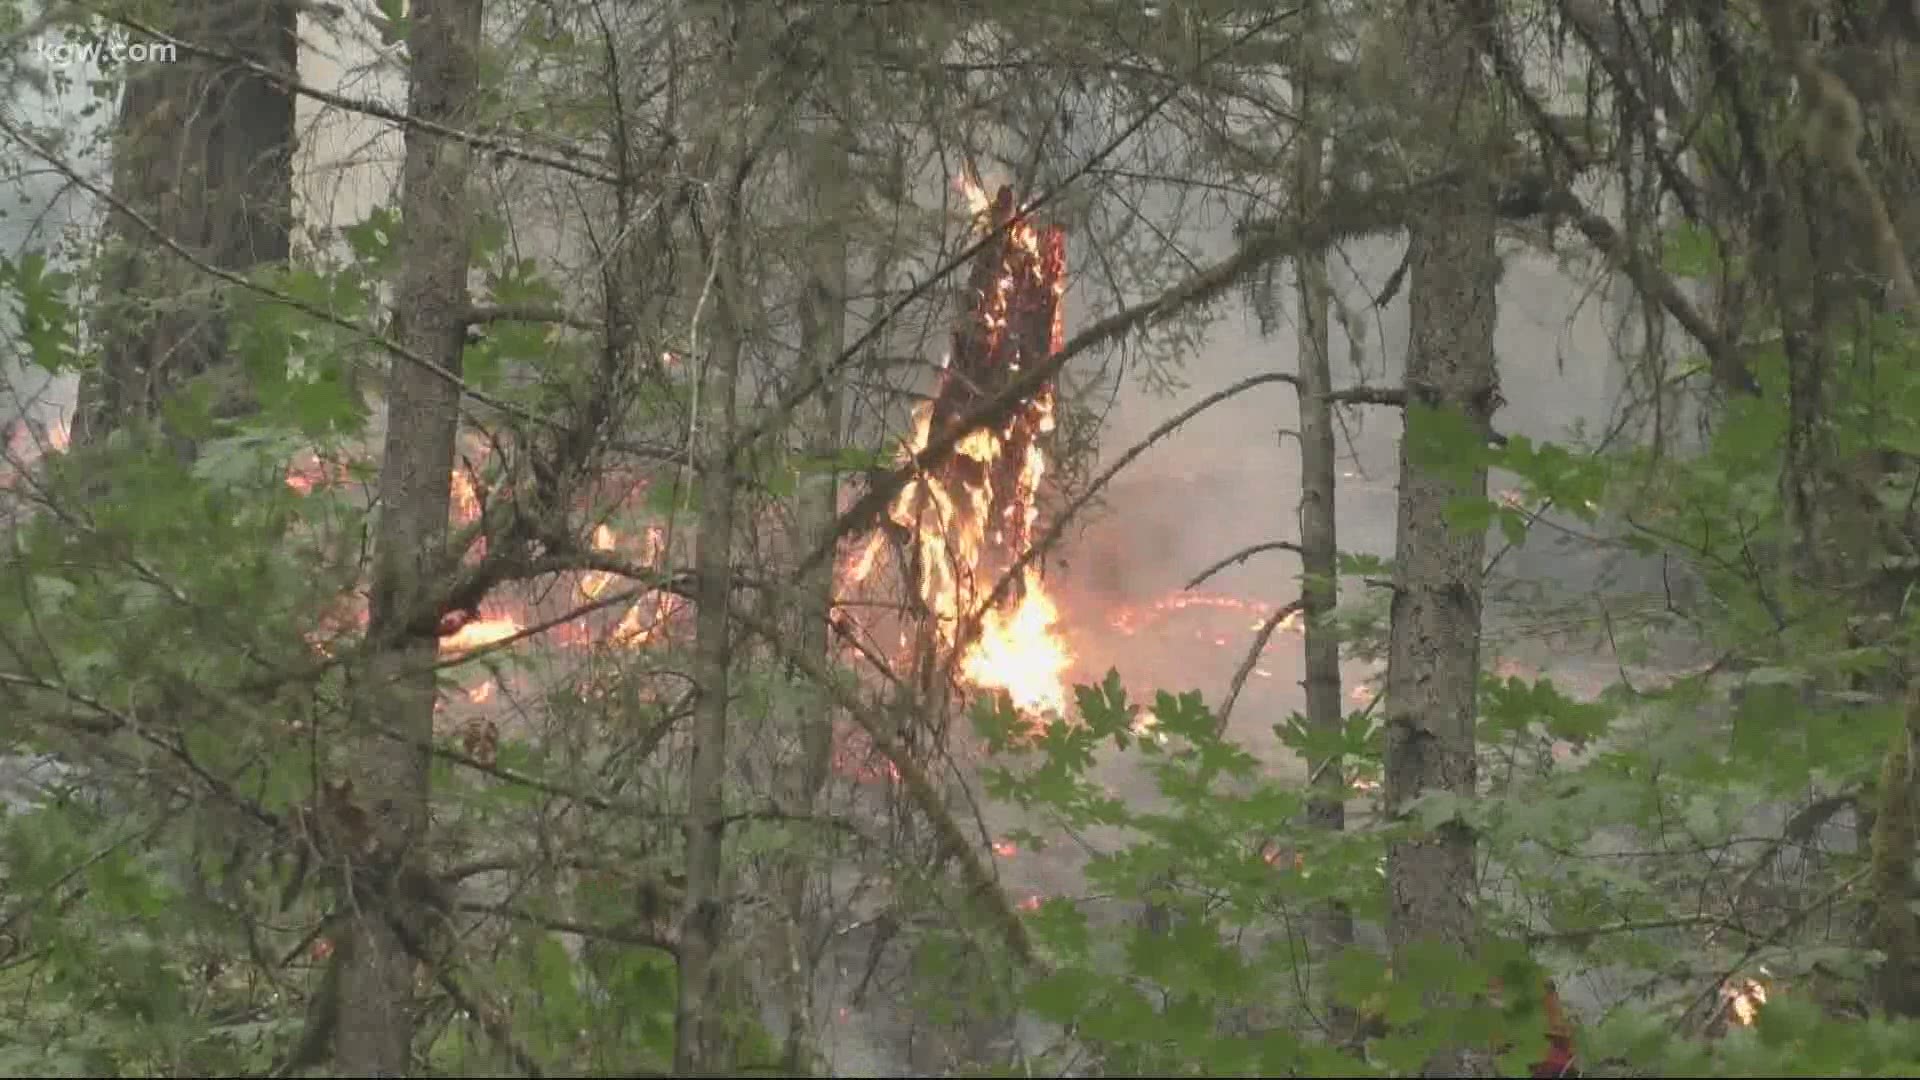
[[972, 519]]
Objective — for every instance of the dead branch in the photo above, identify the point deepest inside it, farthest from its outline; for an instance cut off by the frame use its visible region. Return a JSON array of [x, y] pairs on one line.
[[1242, 556]]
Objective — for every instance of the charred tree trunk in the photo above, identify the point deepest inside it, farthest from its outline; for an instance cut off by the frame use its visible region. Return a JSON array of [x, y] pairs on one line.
[[1434, 656], [203, 152], [396, 687]]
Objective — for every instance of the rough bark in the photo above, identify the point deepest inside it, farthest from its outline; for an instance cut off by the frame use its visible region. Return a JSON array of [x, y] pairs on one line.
[[395, 689], [203, 152], [822, 336], [702, 1045], [1434, 655], [1894, 929], [1319, 537]]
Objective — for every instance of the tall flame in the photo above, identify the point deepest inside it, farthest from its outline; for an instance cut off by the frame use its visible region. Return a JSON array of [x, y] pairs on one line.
[[972, 519]]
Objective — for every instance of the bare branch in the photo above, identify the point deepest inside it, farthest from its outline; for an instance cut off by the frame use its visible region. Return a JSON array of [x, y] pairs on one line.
[[1242, 556], [1253, 658]]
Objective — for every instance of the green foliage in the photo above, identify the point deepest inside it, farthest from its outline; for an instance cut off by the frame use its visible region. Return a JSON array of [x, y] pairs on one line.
[[47, 322]]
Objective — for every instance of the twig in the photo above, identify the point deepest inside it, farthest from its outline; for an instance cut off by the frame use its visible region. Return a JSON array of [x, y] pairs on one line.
[[1241, 556], [616, 934], [1253, 657]]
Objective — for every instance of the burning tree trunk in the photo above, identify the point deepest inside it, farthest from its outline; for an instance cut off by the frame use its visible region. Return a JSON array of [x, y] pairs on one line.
[[1014, 320], [396, 688], [204, 153], [1434, 658], [965, 524]]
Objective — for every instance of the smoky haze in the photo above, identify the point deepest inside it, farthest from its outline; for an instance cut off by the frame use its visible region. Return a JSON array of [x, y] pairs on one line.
[[1225, 481]]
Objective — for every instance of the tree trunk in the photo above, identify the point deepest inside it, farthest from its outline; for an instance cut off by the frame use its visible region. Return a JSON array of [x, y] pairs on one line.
[[396, 688], [1434, 656], [203, 153], [822, 336], [1319, 538], [702, 1044]]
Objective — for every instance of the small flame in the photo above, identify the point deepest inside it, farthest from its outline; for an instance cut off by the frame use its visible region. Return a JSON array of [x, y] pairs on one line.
[[636, 628], [479, 633], [978, 201], [466, 497], [481, 694], [59, 436], [596, 582], [1744, 998]]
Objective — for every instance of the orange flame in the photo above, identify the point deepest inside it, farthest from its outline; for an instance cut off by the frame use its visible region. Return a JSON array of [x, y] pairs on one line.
[[466, 497], [963, 530], [478, 633], [596, 582], [1744, 998]]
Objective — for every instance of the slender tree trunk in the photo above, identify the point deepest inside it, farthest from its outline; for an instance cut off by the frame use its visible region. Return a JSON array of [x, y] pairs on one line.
[[702, 1045], [1319, 537], [822, 336], [395, 694], [1434, 657], [203, 153]]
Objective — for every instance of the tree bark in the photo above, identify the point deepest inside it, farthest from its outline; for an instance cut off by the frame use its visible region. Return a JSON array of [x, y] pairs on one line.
[[396, 687], [1434, 656], [203, 152], [1319, 536], [702, 1045], [822, 336]]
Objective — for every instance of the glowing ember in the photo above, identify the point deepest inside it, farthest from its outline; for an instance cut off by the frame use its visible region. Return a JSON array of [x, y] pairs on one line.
[[481, 694], [1132, 620], [1006, 849]]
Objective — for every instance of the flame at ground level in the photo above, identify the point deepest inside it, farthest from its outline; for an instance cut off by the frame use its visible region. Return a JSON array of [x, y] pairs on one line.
[[1023, 653]]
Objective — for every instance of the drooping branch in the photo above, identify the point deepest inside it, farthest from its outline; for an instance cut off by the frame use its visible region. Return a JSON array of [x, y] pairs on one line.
[[1834, 131], [1646, 274]]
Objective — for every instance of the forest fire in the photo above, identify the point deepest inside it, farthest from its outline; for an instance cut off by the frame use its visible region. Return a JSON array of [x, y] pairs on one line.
[[965, 524]]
